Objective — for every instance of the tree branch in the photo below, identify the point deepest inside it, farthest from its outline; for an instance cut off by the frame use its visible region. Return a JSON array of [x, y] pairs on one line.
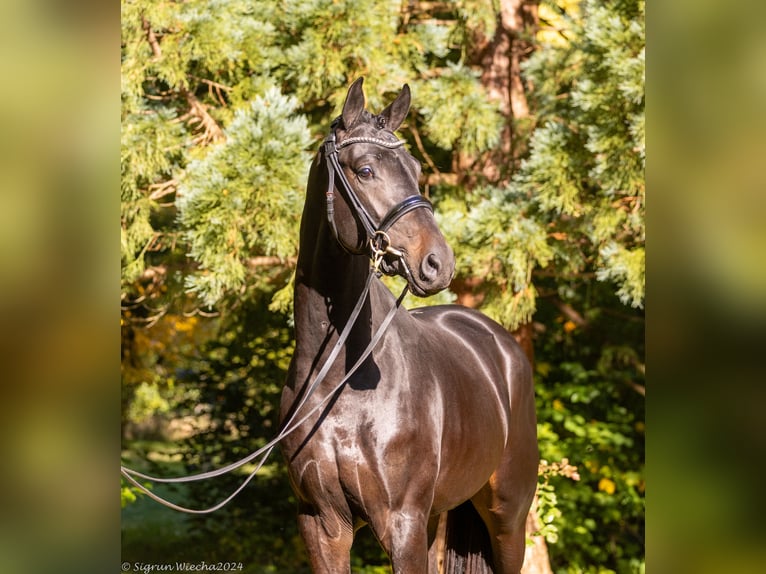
[[219, 88], [151, 38], [640, 389], [270, 261], [201, 313], [419, 143], [570, 313], [197, 110], [212, 131], [159, 190]]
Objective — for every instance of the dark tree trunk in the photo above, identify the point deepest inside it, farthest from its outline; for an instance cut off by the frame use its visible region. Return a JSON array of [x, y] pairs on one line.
[[500, 58]]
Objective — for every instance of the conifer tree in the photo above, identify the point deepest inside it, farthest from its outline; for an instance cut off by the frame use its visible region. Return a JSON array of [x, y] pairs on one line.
[[576, 205], [193, 72]]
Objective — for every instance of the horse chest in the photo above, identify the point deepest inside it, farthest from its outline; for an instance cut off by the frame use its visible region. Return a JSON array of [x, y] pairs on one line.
[[366, 453]]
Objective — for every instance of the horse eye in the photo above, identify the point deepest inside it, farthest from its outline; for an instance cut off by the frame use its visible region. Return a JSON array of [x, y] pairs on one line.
[[365, 173]]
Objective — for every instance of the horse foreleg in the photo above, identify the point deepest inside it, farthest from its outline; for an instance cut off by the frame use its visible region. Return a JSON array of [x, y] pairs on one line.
[[404, 536], [503, 504], [328, 540]]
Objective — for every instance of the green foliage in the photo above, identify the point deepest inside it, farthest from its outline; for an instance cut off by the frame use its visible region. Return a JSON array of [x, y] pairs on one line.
[[477, 16], [547, 501], [552, 173], [244, 196], [626, 267], [590, 413], [148, 154], [444, 101], [328, 38], [127, 496], [591, 143], [239, 382], [146, 399], [576, 205]]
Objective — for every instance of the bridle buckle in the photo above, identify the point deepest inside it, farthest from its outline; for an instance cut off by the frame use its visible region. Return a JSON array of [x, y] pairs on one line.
[[380, 246]]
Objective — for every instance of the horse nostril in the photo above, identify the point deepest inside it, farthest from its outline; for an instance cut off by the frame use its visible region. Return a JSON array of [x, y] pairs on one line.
[[430, 267]]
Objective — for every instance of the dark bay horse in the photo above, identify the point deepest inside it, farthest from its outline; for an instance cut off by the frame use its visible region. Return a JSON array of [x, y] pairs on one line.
[[440, 417]]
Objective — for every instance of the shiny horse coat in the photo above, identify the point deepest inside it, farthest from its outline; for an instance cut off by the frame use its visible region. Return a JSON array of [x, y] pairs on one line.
[[440, 418]]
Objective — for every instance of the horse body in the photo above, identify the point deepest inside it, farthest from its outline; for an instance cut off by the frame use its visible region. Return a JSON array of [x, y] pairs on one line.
[[440, 413]]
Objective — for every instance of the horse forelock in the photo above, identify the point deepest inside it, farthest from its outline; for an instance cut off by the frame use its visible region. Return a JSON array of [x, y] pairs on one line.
[[367, 125]]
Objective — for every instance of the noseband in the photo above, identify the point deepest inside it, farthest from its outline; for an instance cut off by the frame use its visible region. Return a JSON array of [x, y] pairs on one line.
[[377, 236]]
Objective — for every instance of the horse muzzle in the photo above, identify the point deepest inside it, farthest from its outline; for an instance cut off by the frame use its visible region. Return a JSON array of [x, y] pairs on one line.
[[426, 275]]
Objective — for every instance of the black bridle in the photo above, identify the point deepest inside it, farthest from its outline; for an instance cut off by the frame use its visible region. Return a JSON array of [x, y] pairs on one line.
[[377, 236]]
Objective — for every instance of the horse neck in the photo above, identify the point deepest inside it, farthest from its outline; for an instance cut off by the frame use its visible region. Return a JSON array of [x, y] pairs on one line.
[[328, 280]]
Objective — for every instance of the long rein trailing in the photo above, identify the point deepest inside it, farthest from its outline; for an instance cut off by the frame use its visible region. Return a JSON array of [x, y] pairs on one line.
[[380, 246], [289, 426]]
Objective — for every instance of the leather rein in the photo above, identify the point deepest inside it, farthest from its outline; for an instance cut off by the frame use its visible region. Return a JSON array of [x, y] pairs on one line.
[[380, 245]]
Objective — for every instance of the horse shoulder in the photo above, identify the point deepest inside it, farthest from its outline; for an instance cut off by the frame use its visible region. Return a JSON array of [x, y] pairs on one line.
[[468, 341], [456, 325]]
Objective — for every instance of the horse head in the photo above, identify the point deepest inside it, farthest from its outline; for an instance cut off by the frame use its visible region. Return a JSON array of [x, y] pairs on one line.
[[377, 208]]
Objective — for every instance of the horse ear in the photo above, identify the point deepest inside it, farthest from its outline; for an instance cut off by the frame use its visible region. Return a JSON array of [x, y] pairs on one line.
[[395, 113], [354, 104]]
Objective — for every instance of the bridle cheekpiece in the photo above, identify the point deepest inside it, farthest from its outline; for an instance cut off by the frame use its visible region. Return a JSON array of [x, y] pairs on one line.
[[378, 240]]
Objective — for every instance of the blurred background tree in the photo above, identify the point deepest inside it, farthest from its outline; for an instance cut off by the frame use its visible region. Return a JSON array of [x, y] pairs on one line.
[[528, 118]]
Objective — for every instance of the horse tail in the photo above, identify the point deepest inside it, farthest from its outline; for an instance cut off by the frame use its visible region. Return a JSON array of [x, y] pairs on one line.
[[467, 547]]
